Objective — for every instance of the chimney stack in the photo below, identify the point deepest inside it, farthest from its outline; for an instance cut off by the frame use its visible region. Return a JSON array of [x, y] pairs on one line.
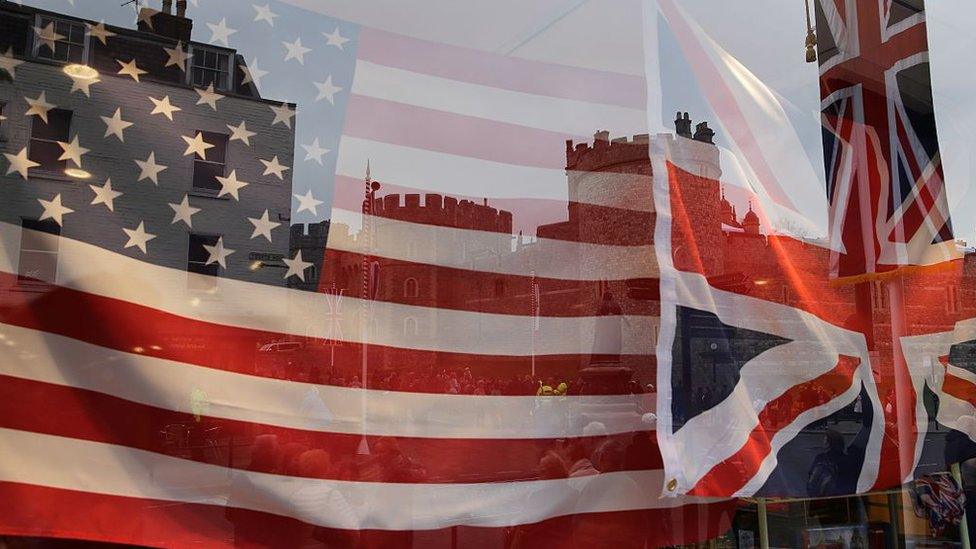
[[682, 125], [703, 133], [164, 23]]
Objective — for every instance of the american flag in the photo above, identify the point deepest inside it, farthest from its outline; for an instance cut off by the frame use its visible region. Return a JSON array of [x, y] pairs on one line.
[[165, 382], [885, 181], [774, 380]]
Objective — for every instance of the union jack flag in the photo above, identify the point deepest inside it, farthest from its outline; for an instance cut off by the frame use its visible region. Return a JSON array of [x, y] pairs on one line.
[[774, 380], [885, 181]]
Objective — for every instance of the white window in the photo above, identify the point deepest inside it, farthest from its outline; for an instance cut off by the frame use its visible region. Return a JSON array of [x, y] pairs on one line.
[[39, 242], [196, 262], [44, 137], [60, 40], [207, 170], [210, 66]]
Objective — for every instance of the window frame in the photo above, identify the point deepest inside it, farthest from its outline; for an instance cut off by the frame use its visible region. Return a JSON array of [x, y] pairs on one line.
[[63, 164], [209, 191], [197, 52], [28, 281], [411, 327], [202, 268], [879, 296], [36, 44], [953, 299]]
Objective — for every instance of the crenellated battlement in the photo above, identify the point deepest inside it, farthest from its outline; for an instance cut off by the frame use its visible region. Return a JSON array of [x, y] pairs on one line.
[[444, 211], [312, 231], [606, 152]]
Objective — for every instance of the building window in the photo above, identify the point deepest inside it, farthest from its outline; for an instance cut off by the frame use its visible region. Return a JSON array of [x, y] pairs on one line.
[[196, 262], [410, 326], [411, 288], [879, 297], [70, 46], [44, 137], [207, 170], [38, 251], [953, 302], [210, 67]]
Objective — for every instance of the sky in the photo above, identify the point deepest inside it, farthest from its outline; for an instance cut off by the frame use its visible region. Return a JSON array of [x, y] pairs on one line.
[[766, 36]]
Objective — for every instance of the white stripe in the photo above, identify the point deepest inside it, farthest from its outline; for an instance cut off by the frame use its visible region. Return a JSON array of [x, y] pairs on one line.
[[466, 249], [73, 464], [569, 116], [957, 414], [98, 271], [454, 174], [49, 358]]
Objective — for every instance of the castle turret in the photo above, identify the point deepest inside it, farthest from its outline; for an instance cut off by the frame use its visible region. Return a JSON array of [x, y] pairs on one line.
[[750, 222]]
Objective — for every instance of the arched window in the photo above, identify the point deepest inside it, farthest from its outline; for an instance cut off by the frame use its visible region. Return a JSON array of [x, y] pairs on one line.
[[411, 288], [410, 326]]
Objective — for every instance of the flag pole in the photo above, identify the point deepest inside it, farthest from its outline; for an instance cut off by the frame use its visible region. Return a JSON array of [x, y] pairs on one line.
[[902, 385], [535, 317], [762, 517], [964, 523], [366, 231]]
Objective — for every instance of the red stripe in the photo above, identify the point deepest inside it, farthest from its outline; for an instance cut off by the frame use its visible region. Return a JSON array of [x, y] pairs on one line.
[[423, 128], [733, 473], [961, 388], [28, 510], [547, 218], [511, 73], [83, 316], [88, 415], [483, 292]]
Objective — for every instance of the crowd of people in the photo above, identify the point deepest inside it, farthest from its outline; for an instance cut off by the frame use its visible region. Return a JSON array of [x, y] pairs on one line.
[[462, 381]]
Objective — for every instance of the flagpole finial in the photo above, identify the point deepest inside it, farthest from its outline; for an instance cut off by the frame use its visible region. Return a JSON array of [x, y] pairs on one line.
[[811, 42]]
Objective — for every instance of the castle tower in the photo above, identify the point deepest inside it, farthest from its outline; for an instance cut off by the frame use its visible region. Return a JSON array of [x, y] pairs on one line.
[[750, 222], [611, 202], [699, 194]]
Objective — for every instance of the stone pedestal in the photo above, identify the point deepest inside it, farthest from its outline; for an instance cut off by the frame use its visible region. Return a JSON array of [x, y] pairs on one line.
[[609, 378]]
